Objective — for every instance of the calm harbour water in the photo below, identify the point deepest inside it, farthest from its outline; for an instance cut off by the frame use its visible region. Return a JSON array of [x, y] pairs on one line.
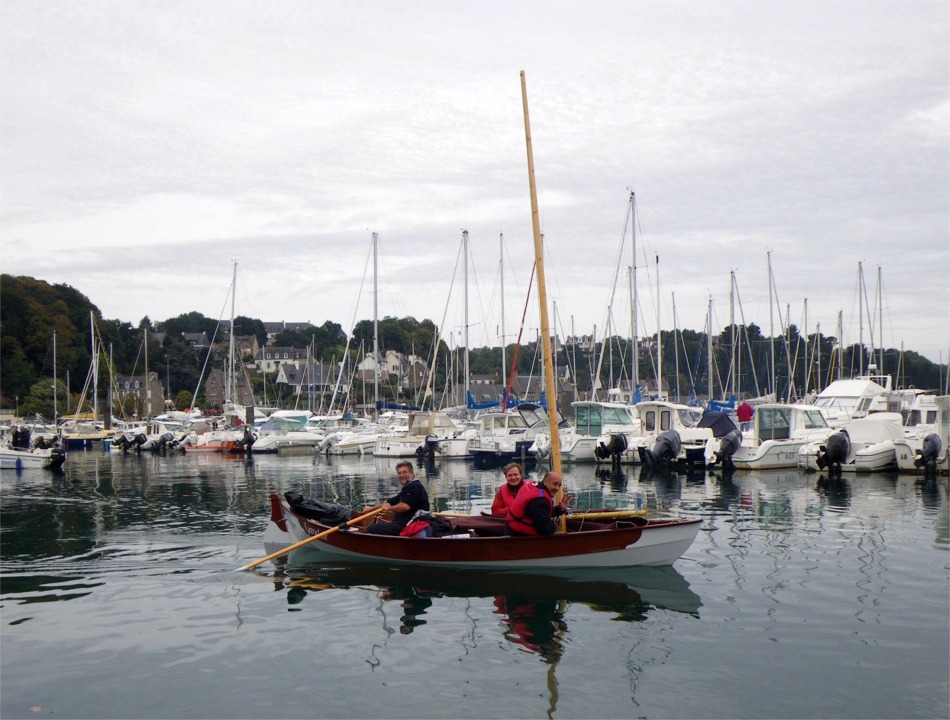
[[801, 598]]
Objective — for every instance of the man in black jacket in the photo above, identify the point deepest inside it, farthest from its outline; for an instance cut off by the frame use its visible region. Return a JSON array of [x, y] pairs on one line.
[[410, 499]]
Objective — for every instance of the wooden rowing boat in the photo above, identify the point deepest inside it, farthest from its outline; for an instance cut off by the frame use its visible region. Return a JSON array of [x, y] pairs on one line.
[[479, 542]]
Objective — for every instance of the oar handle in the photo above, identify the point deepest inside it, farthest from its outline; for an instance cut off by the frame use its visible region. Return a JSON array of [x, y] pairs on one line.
[[310, 539]]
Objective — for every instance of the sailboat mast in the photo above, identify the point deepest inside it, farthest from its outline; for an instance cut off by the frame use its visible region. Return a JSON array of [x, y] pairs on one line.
[[676, 350], [734, 356], [709, 342], [55, 411], [659, 336], [501, 261], [807, 368], [772, 380], [230, 396], [542, 295], [148, 394], [860, 318], [635, 375], [880, 323], [95, 369], [465, 381], [375, 326]]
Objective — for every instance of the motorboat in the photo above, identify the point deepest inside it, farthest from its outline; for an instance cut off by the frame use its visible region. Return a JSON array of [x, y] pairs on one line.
[[506, 436], [866, 444], [778, 432], [431, 434], [43, 456]]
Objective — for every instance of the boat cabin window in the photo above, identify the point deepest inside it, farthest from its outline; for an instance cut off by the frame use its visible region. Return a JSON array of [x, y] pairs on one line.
[[666, 420], [588, 420], [864, 405], [686, 418], [773, 423], [649, 420], [814, 419], [617, 416]]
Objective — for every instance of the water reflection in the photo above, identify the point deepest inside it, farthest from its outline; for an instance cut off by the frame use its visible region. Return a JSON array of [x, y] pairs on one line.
[[531, 606]]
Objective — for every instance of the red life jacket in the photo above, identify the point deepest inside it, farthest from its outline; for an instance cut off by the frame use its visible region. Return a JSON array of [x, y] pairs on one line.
[[516, 512], [504, 499]]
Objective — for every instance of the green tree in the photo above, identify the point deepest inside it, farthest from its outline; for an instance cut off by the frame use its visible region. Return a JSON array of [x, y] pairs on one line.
[[40, 402], [183, 400], [250, 326]]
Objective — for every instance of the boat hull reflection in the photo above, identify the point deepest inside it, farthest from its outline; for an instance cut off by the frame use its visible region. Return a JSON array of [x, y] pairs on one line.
[[627, 591]]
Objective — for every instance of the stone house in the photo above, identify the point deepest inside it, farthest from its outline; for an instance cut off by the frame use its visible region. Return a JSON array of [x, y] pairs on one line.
[[131, 392], [215, 391]]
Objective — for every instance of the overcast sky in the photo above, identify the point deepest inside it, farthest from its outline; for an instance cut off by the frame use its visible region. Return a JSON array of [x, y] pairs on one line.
[[146, 145]]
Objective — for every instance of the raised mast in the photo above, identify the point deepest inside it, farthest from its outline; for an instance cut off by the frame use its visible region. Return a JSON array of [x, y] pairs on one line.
[[772, 380], [95, 369], [734, 356], [504, 363], [230, 395], [148, 394], [55, 390], [860, 318], [659, 336], [375, 328], [709, 341], [635, 374], [542, 295], [465, 383]]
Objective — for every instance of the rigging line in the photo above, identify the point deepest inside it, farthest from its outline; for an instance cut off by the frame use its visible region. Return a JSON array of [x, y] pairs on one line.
[[748, 344], [438, 333], [514, 360], [194, 398], [613, 291], [473, 269], [349, 336]]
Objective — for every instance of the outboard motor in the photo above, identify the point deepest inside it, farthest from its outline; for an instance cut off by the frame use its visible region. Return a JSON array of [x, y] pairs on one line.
[[122, 442], [541, 447], [928, 453], [328, 442], [727, 448], [162, 441], [613, 448], [138, 440], [429, 448], [57, 456], [665, 450], [834, 452], [245, 443]]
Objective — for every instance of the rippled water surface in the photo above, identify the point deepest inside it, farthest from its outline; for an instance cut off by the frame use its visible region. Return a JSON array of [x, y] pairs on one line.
[[802, 597]]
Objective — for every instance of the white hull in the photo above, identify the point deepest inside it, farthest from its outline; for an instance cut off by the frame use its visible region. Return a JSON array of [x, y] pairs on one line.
[[12, 459], [406, 447], [770, 455]]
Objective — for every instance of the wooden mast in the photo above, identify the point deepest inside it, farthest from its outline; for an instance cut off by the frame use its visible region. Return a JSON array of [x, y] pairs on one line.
[[542, 297]]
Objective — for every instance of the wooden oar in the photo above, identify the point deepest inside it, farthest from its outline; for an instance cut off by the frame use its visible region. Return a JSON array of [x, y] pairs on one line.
[[310, 539]]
